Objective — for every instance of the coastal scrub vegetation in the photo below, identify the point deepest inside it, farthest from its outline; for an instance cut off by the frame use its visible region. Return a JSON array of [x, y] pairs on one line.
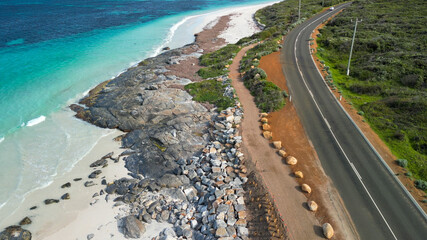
[[268, 96], [277, 20], [211, 91], [215, 63], [387, 79]]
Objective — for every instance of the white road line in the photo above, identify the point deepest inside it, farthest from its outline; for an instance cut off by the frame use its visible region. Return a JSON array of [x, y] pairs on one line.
[[336, 140]]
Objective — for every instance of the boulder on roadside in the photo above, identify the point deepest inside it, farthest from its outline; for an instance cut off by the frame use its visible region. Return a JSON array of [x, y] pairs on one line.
[[132, 227], [264, 120], [312, 205], [266, 127], [267, 134], [25, 221], [328, 231], [291, 160], [15, 233], [277, 144], [306, 188], [264, 115], [299, 174]]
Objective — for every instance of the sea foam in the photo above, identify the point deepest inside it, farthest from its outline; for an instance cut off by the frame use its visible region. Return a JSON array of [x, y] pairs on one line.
[[36, 121]]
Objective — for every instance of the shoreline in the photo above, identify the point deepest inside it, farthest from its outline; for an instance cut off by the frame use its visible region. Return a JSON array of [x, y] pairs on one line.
[[78, 215]]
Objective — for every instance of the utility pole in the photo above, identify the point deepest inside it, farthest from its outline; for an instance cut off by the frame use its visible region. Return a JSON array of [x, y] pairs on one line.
[[352, 43], [299, 10]]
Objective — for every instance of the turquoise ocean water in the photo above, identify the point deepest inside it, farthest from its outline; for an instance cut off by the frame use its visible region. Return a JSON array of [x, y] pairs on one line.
[[50, 57]]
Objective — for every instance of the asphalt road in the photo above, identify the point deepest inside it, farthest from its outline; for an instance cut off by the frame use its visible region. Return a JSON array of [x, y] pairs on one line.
[[379, 207]]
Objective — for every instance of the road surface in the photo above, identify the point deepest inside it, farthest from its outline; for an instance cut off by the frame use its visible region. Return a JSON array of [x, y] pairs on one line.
[[376, 202]]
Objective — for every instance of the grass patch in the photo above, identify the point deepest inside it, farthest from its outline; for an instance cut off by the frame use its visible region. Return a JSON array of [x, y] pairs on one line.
[[211, 91]]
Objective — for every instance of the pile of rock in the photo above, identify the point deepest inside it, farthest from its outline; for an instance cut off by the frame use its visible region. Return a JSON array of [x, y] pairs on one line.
[[203, 198]]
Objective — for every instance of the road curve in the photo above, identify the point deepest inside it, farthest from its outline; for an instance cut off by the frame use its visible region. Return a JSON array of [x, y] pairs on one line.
[[379, 207]]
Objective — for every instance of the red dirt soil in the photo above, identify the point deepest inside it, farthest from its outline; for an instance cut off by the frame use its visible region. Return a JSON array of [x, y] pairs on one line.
[[372, 136]]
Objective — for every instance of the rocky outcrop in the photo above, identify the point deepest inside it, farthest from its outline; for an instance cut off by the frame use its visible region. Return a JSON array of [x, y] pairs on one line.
[[203, 198], [163, 123], [15, 233]]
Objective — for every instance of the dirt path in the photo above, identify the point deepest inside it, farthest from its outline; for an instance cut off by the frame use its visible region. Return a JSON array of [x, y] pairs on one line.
[[290, 201]]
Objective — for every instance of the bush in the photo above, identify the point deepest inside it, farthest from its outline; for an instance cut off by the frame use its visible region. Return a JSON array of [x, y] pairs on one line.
[[210, 91], [402, 162], [268, 96], [421, 184]]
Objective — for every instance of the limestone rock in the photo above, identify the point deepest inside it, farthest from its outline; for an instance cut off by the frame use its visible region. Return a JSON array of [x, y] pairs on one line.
[[282, 153], [306, 188], [266, 127], [277, 144], [25, 221], [15, 233], [312, 205], [328, 231], [264, 120], [132, 227], [291, 160], [267, 134], [299, 174], [264, 115]]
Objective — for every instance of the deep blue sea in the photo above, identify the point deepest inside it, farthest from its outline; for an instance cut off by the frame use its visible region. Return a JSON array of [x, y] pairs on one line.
[[51, 53]]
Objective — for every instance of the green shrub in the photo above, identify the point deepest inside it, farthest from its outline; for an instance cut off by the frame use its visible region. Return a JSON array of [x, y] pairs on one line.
[[421, 184], [210, 91], [268, 96], [361, 113], [402, 162]]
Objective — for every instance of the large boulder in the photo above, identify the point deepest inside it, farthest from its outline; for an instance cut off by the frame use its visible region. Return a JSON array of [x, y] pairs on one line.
[[306, 188], [15, 233], [132, 227], [291, 160], [264, 120], [277, 144], [266, 127], [267, 134], [328, 231], [282, 153], [299, 174], [312, 205]]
